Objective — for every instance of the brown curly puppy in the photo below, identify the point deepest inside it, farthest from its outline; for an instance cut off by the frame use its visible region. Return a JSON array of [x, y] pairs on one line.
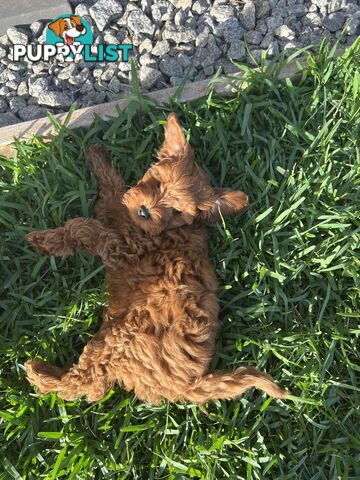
[[158, 334]]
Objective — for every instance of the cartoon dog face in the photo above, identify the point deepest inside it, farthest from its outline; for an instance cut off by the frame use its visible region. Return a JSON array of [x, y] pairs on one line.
[[68, 28]]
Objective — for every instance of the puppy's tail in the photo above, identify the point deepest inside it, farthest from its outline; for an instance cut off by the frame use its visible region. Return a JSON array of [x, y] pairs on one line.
[[226, 385]]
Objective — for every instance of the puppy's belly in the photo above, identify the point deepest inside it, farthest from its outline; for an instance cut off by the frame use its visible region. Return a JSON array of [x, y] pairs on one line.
[[161, 347]]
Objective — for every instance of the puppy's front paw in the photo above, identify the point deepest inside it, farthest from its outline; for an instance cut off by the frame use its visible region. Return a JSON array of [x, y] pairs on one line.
[[50, 242]]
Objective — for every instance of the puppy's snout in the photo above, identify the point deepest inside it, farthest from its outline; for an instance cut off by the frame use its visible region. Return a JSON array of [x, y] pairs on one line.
[[143, 212], [80, 28]]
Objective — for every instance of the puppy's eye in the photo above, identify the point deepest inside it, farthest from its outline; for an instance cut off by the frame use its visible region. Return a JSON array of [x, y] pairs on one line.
[[66, 27], [176, 212]]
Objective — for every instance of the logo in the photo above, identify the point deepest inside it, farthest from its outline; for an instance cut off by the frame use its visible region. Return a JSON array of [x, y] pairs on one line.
[[70, 38]]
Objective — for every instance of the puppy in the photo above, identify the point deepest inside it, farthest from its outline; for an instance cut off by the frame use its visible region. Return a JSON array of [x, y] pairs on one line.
[[68, 28], [159, 330]]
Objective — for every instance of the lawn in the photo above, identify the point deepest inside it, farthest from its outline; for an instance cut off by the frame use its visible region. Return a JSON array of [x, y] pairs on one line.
[[288, 270]]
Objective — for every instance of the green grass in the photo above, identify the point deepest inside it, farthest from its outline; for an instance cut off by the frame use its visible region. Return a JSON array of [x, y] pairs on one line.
[[289, 276]]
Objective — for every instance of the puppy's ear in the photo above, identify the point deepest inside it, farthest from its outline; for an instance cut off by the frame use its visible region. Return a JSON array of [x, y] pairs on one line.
[[76, 19], [57, 27], [226, 202], [175, 142]]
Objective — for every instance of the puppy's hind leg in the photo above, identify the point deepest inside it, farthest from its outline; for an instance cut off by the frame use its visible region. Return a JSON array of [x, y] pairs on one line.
[[88, 378], [108, 207]]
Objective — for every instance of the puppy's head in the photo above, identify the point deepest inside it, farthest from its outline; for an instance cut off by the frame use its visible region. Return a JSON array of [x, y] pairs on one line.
[[68, 28], [175, 191]]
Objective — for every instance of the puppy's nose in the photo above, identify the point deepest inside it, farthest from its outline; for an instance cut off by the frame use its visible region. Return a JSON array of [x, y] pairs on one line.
[[79, 28], [143, 212]]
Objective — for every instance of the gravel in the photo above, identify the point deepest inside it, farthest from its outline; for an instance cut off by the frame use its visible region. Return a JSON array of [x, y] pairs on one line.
[[171, 38]]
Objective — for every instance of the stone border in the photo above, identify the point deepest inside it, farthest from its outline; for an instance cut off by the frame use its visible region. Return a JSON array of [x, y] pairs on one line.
[[83, 117]]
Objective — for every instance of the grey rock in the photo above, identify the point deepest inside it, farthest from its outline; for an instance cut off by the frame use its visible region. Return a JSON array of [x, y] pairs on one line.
[[37, 28], [273, 23], [12, 86], [3, 52], [145, 6], [114, 85], [184, 60], [17, 36], [230, 31], [202, 37], [209, 70], [37, 85], [80, 78], [4, 90], [68, 72], [237, 50], [333, 21], [290, 45], [31, 112], [261, 26], [175, 81], [254, 37], [109, 72], [284, 32], [93, 98], [200, 6], [16, 66], [4, 41], [262, 8], [353, 25], [162, 10], [268, 38], [255, 56], [3, 105], [180, 17], [221, 13], [186, 49], [226, 66], [87, 87], [297, 10], [247, 16], [273, 49], [138, 22], [23, 90], [200, 76], [161, 48], [8, 118], [99, 70], [9, 76], [110, 37], [183, 4], [148, 60], [201, 58], [103, 11], [206, 19], [146, 46], [82, 9], [38, 67], [124, 66], [279, 11], [54, 99], [179, 34], [138, 38], [212, 47], [312, 19], [16, 103], [149, 76], [170, 67]]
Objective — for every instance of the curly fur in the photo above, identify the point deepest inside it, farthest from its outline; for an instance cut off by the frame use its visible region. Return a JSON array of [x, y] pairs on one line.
[[159, 330]]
